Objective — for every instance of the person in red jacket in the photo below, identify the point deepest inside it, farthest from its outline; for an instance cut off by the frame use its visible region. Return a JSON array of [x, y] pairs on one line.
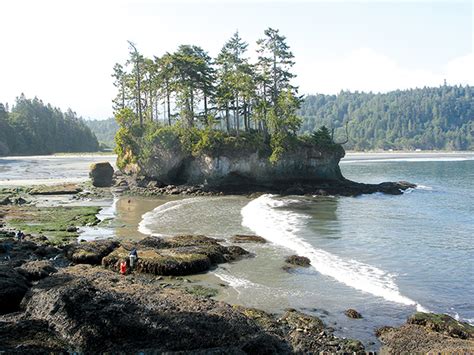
[[123, 267]]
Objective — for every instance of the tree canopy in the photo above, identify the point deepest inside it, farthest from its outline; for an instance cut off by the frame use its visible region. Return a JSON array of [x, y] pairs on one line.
[[32, 127], [227, 93], [427, 118]]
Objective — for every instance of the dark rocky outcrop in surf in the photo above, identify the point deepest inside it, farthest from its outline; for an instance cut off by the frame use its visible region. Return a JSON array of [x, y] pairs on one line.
[[297, 260], [240, 238], [352, 313]]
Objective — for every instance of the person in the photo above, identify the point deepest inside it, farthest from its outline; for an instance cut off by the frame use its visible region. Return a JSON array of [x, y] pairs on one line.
[[20, 236], [123, 267], [133, 257]]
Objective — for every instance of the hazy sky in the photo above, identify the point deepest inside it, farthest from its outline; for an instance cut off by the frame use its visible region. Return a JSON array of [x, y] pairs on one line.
[[63, 51]]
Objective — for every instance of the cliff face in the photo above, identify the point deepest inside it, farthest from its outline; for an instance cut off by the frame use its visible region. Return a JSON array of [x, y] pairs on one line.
[[170, 165]]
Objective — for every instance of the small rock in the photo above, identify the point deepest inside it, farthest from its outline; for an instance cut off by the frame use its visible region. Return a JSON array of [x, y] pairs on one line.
[[352, 313], [298, 260]]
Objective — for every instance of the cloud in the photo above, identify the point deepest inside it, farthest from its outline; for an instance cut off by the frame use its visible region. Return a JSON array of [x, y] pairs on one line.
[[365, 69]]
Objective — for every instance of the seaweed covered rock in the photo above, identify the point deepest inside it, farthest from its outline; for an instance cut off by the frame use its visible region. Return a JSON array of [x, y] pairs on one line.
[[13, 287], [428, 333], [442, 323], [90, 252], [180, 255], [160, 262], [36, 270], [240, 238], [101, 174], [297, 260], [352, 313]]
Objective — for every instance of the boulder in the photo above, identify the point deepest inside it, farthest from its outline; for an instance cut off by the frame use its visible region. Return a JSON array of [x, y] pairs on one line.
[[298, 260], [352, 313], [101, 174], [13, 287], [36, 270], [91, 252]]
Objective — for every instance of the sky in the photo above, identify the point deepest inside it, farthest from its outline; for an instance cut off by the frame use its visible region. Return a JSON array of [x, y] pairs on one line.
[[63, 51]]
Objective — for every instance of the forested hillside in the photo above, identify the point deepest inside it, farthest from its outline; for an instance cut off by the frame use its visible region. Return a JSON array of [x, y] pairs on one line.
[[104, 130], [428, 118], [31, 127]]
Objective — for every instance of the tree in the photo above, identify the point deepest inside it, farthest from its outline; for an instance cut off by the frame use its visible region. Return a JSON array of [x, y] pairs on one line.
[[278, 100], [137, 59]]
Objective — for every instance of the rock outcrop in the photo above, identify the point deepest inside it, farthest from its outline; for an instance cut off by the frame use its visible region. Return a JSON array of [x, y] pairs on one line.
[[297, 260], [169, 164], [180, 255], [428, 333], [352, 313], [101, 174], [91, 310], [13, 287], [240, 238]]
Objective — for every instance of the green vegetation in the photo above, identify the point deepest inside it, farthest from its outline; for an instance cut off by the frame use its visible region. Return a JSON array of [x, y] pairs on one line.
[[53, 222], [31, 127], [428, 118], [209, 105], [104, 130]]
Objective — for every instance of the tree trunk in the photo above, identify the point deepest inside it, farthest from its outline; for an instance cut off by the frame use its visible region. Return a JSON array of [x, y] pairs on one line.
[[139, 94], [168, 105], [205, 108], [237, 114], [227, 118]]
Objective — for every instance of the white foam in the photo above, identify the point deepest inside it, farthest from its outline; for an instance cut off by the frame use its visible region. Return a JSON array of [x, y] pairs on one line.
[[235, 282], [461, 319], [423, 187], [283, 228], [145, 224]]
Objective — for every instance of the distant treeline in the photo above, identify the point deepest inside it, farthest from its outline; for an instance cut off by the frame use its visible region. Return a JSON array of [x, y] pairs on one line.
[[31, 127], [104, 130], [428, 118]]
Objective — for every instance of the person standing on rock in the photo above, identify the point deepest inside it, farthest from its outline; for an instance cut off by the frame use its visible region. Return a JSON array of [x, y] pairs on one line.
[[133, 257], [20, 236]]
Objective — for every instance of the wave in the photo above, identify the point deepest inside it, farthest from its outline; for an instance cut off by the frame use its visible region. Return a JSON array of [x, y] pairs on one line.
[[235, 282], [461, 319], [265, 217], [148, 218]]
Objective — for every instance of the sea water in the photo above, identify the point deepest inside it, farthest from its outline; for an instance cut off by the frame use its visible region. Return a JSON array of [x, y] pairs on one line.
[[386, 256]]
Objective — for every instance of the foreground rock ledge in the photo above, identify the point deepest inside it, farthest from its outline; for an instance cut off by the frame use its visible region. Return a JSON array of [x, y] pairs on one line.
[[427, 332], [89, 309]]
